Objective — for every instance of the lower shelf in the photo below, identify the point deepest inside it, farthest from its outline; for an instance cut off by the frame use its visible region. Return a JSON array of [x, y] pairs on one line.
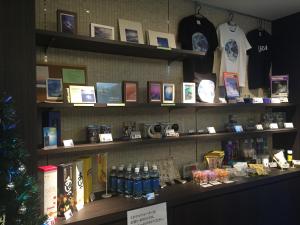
[[113, 210], [90, 148]]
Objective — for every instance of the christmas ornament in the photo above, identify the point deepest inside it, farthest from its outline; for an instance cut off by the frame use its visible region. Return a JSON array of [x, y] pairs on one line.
[[10, 186], [22, 210]]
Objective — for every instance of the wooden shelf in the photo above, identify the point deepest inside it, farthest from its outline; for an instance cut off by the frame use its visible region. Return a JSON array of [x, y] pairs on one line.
[[177, 105], [85, 43], [92, 148]]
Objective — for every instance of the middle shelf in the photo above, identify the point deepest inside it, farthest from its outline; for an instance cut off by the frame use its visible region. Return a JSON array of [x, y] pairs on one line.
[[92, 148]]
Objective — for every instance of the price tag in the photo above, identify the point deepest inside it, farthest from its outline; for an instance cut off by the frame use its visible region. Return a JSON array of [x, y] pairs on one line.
[[105, 137], [211, 130], [215, 183], [259, 127], [168, 104], [223, 100], [205, 185], [238, 128], [258, 100], [288, 125], [115, 104], [275, 100], [68, 214], [135, 135], [151, 215], [79, 105], [68, 143], [150, 196], [273, 126]]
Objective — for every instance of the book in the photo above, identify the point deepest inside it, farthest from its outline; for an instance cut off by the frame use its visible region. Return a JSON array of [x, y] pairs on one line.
[[47, 176], [65, 188], [78, 185], [49, 137], [109, 93], [52, 119], [82, 94], [231, 83], [87, 178]]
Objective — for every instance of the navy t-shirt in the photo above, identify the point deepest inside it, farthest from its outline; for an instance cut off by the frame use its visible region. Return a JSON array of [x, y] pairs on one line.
[[259, 59], [197, 34]]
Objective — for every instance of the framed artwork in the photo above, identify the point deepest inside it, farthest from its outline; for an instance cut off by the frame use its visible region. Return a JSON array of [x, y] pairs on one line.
[[102, 31], [109, 93], [161, 40], [131, 31], [168, 93], [188, 92], [154, 91], [82, 94], [231, 83], [279, 86], [130, 91], [54, 89], [66, 22]]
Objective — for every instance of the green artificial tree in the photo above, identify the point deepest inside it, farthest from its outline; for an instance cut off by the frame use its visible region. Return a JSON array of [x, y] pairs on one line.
[[19, 196]]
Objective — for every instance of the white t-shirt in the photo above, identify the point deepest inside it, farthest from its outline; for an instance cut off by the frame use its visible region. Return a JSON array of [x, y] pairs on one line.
[[233, 45]]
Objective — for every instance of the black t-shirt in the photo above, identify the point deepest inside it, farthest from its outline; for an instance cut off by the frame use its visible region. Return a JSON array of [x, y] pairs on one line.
[[197, 34], [259, 59]]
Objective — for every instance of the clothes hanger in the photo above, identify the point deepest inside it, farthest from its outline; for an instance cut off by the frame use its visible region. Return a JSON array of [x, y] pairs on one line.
[[198, 13], [230, 20]]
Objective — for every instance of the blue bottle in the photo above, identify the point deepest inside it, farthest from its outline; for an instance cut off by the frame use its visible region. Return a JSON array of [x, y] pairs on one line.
[[120, 180], [137, 184], [113, 179], [128, 183], [154, 176], [146, 181]]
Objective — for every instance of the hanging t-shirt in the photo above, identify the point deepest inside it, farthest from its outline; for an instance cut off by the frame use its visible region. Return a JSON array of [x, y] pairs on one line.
[[233, 45], [259, 59], [197, 34]]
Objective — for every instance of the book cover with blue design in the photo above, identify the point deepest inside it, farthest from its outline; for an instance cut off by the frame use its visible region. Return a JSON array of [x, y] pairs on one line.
[[109, 92], [50, 137]]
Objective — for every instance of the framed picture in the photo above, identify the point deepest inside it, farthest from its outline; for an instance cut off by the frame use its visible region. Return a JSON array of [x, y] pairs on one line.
[[66, 22], [82, 94], [188, 92], [130, 91], [231, 83], [109, 93], [279, 86], [168, 93], [102, 31], [42, 74], [131, 31], [154, 92], [54, 89], [161, 40]]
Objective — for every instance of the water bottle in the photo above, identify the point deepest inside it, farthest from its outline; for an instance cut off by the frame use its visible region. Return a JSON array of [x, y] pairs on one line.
[[146, 181], [137, 184], [154, 176], [120, 180], [128, 183], [113, 179]]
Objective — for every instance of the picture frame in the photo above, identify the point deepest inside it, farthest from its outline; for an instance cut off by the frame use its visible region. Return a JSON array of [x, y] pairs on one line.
[[279, 86], [130, 91], [54, 89], [168, 93], [131, 31], [82, 94], [154, 91], [102, 31], [161, 39], [188, 92], [66, 21], [231, 83]]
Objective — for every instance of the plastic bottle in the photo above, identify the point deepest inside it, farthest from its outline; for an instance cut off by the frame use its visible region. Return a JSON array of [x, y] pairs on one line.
[[154, 176], [113, 179], [137, 184], [146, 181], [128, 187], [120, 180]]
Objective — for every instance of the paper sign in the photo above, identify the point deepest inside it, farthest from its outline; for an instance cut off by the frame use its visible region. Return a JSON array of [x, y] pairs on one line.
[[259, 127], [105, 137], [288, 125], [73, 76], [68, 143], [273, 126], [68, 214], [211, 130], [152, 215]]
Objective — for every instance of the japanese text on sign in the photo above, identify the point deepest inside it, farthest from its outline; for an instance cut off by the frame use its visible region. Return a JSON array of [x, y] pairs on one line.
[[151, 215]]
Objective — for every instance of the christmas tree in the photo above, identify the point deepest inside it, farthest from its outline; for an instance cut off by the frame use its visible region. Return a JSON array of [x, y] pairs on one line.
[[19, 197]]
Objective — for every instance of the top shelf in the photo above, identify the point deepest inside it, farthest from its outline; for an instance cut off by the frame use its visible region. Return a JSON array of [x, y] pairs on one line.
[[91, 44]]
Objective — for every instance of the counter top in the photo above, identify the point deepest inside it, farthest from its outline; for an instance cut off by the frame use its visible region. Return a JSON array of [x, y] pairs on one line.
[[115, 209]]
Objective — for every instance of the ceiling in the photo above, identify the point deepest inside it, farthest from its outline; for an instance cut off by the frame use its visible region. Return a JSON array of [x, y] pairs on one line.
[[266, 9]]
